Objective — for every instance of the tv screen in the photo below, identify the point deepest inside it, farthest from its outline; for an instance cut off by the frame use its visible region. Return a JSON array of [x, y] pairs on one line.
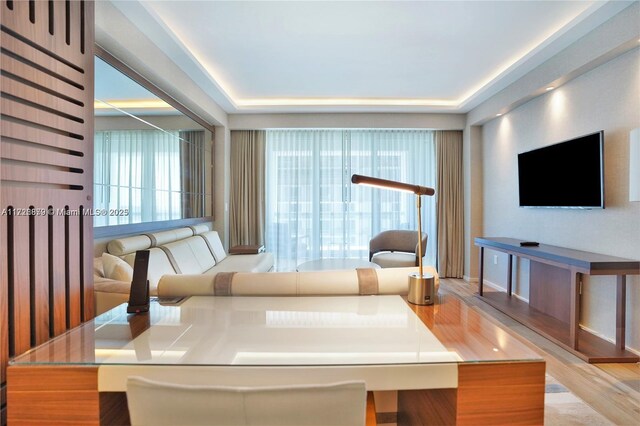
[[568, 174]]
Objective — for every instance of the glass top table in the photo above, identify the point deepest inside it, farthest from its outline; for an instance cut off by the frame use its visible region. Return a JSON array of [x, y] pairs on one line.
[[267, 340], [428, 359]]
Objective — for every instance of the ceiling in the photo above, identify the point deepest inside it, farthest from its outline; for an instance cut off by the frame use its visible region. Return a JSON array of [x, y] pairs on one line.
[[436, 56]]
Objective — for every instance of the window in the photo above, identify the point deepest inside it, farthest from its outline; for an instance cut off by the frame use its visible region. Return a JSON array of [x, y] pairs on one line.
[[140, 175], [151, 162], [313, 210]]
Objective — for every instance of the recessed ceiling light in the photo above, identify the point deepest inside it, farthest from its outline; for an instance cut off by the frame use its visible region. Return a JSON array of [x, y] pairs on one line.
[[498, 114], [549, 88]]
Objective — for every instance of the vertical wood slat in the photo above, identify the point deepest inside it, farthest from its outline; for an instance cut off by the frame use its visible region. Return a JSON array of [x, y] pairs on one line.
[[40, 254], [20, 320], [59, 26], [38, 32], [73, 271], [42, 13], [57, 277], [75, 19], [87, 261], [20, 11]]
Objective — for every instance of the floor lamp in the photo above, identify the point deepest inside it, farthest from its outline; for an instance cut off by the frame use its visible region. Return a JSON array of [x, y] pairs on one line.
[[420, 285]]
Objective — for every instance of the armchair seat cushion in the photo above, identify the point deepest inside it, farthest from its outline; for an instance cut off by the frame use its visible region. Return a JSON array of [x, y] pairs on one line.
[[394, 259]]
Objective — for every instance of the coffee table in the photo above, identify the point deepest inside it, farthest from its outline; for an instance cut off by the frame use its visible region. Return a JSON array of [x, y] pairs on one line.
[[335, 264]]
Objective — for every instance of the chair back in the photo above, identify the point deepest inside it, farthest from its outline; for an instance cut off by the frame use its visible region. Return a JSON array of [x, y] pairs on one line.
[[397, 240], [157, 403]]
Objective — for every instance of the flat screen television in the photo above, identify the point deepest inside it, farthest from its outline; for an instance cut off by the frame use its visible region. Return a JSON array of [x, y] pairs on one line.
[[568, 174]]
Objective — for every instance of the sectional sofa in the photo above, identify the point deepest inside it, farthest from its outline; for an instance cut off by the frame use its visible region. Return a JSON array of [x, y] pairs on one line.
[[192, 251]]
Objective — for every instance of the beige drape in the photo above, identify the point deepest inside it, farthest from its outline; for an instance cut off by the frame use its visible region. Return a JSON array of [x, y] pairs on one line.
[[247, 198], [193, 172], [450, 209]]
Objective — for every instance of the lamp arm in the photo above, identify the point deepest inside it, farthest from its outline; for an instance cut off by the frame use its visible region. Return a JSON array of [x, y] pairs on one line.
[[391, 184]]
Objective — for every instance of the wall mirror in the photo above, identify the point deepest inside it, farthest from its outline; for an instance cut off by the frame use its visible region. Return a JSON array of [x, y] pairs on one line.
[[151, 162]]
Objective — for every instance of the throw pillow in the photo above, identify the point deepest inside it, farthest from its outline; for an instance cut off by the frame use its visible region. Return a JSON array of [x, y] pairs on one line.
[[116, 268]]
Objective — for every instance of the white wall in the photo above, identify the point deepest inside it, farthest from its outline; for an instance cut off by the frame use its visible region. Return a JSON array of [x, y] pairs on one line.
[[221, 183], [606, 98]]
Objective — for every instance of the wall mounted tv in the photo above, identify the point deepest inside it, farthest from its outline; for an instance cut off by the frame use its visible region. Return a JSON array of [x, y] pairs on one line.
[[568, 174]]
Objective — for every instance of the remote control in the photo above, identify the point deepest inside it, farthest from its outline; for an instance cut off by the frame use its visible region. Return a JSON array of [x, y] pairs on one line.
[[529, 243]]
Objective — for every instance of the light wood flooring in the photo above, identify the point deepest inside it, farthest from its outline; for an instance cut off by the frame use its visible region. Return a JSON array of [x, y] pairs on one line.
[[613, 390]]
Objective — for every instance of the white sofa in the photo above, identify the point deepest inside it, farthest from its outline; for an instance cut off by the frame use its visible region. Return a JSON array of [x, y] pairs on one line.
[[334, 283], [192, 250]]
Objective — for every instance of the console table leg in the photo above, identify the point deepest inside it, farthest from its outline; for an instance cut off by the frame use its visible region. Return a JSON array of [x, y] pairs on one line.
[[480, 270], [574, 319], [621, 310], [509, 273]]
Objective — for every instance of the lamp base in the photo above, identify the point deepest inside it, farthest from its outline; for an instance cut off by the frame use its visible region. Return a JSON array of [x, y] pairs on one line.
[[421, 289]]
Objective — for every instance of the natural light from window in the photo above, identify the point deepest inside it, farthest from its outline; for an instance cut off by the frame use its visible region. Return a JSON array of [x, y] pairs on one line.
[[313, 210]]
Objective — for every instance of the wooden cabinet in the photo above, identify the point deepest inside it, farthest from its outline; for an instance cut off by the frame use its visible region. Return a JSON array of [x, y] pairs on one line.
[[555, 279]]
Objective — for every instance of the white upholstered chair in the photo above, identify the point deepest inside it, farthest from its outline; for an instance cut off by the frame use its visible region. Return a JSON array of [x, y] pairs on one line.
[[157, 403], [396, 248]]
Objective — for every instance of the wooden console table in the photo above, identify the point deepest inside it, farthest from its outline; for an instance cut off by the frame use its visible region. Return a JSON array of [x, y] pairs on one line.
[[555, 280]]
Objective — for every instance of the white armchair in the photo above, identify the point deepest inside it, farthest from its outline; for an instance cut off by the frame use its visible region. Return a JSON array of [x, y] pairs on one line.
[[396, 248]]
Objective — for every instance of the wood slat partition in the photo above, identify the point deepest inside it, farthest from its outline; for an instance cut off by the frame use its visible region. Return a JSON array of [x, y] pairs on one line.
[[46, 173]]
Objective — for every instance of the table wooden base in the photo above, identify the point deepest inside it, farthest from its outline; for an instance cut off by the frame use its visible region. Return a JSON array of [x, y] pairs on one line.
[[487, 394]]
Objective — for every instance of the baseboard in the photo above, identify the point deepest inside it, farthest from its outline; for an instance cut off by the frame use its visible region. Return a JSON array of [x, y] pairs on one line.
[[470, 280], [502, 289], [608, 339]]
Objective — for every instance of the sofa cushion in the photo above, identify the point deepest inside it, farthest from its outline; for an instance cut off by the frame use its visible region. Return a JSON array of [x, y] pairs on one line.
[[201, 252], [116, 269], [112, 286], [199, 229], [212, 239], [122, 246], [164, 237], [261, 262], [191, 255], [98, 270]]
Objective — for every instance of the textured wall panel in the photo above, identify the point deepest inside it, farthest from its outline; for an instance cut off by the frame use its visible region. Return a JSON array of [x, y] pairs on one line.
[[46, 163]]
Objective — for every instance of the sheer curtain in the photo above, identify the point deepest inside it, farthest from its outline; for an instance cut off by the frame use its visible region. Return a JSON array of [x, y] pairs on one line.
[[138, 171], [313, 210]]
